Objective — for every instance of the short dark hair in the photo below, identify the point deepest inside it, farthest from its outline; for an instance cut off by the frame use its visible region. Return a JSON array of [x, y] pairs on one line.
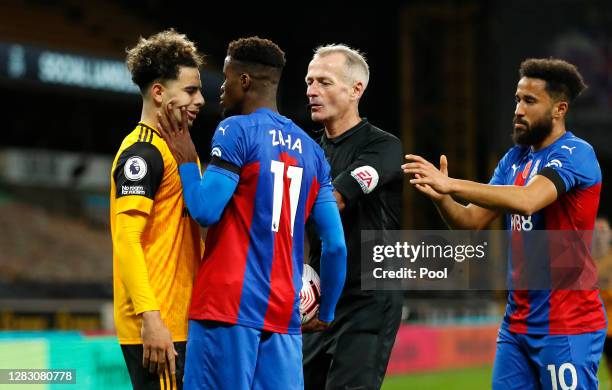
[[160, 56], [563, 81], [257, 50]]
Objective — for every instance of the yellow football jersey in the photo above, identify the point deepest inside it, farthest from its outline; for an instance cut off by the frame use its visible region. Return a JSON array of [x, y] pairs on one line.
[[145, 178], [604, 270]]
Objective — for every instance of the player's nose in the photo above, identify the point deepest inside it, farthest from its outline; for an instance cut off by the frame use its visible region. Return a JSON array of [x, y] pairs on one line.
[[519, 110], [199, 101]]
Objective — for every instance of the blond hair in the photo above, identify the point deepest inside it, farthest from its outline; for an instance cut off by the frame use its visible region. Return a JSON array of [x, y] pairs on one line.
[[357, 68]]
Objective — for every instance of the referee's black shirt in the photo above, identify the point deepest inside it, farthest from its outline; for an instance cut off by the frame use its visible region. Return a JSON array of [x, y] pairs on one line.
[[365, 167]]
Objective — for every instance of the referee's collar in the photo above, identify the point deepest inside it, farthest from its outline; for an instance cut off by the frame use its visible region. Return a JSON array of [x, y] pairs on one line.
[[348, 133]]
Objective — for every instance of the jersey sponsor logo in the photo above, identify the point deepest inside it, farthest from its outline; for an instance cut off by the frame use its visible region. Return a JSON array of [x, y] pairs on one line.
[[133, 190], [135, 168], [520, 223], [216, 151], [571, 150], [367, 177], [554, 163]]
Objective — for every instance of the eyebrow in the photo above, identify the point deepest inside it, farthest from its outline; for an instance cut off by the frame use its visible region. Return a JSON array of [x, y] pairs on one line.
[[526, 95], [318, 77]]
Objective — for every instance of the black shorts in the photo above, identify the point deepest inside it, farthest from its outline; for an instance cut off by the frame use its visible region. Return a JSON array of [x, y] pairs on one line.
[[142, 379], [355, 351], [607, 349]]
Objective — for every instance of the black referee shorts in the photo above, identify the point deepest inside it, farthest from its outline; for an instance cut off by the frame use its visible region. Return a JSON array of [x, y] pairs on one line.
[[354, 352], [142, 379]]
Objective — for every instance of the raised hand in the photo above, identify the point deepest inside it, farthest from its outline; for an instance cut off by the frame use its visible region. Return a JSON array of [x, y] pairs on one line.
[[176, 135], [428, 179]]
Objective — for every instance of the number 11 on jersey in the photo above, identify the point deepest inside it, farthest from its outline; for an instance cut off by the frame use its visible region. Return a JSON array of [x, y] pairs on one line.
[[294, 174]]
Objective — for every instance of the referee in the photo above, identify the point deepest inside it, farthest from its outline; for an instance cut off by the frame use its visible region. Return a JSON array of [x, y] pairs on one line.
[[365, 166]]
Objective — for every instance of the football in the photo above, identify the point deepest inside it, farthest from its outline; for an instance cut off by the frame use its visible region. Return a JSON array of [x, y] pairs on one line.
[[310, 294]]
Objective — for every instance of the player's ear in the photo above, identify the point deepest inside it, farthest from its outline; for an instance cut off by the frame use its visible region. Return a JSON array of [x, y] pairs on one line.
[[245, 81], [560, 109], [157, 92]]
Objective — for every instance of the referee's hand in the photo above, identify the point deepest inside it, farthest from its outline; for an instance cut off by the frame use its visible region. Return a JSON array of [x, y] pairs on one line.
[[158, 348], [315, 325]]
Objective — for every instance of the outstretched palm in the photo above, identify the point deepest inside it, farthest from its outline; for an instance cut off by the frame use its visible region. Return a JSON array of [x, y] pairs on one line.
[[428, 179]]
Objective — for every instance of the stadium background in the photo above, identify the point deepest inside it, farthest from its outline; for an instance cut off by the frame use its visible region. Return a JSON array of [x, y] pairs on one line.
[[443, 79]]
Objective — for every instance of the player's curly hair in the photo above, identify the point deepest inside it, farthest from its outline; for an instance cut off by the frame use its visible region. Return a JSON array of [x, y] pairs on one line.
[[563, 81], [160, 56], [257, 50]]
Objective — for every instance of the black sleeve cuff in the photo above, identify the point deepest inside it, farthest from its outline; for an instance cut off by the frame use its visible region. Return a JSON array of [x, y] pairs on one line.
[[216, 161], [348, 187], [553, 176]]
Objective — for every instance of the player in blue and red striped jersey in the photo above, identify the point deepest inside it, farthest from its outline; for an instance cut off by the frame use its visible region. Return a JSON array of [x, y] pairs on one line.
[[550, 338], [265, 179]]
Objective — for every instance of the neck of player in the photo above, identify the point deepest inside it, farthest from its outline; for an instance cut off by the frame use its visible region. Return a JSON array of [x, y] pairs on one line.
[[557, 132], [252, 105], [335, 127], [149, 115]]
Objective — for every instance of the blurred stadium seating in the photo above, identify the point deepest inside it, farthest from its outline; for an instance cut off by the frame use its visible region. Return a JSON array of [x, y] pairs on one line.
[[96, 27]]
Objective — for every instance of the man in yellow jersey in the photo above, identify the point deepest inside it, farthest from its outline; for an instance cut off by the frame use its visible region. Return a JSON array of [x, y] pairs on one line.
[[602, 253], [156, 245]]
